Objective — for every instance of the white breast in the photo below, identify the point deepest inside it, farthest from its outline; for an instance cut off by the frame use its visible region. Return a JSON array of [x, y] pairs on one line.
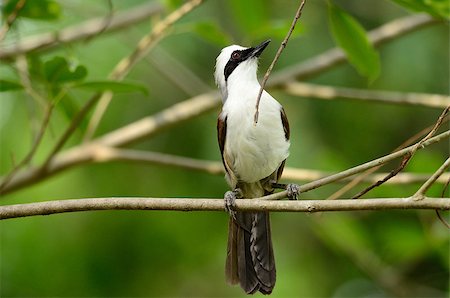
[[255, 151]]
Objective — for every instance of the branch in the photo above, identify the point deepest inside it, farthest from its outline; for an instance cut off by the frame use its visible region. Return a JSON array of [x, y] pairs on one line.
[[407, 156], [121, 69], [335, 56], [419, 195], [183, 204], [11, 18], [203, 103], [275, 59], [82, 31], [109, 154], [327, 92], [360, 168], [142, 48]]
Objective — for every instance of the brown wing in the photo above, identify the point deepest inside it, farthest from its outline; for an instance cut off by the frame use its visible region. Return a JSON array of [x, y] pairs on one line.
[[287, 134], [284, 120], [221, 136]]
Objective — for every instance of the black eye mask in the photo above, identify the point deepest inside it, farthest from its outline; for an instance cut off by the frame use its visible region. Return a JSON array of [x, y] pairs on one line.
[[234, 62]]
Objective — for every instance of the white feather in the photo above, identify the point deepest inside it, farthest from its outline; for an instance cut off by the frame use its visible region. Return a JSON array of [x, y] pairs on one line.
[[254, 151]]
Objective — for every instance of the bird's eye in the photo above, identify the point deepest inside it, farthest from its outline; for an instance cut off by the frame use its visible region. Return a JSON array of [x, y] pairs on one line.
[[236, 55]]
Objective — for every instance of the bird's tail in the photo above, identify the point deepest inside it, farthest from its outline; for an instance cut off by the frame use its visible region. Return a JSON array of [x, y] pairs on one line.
[[250, 260]]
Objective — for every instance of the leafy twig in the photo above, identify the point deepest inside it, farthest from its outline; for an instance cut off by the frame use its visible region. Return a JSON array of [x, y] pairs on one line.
[[142, 48], [275, 59]]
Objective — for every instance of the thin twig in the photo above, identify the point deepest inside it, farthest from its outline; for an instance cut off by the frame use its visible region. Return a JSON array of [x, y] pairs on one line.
[[82, 31], [34, 147], [358, 169], [420, 194], [443, 221], [188, 204], [355, 181], [142, 48], [408, 156], [328, 93], [11, 18], [275, 59]]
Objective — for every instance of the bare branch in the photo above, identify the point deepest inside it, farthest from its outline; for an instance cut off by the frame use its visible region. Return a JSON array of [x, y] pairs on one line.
[[142, 48], [82, 31], [328, 92], [277, 55], [408, 156], [184, 204], [358, 169], [109, 154], [419, 195]]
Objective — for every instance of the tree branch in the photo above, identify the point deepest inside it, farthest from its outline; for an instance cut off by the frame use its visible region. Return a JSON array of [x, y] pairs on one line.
[[184, 204], [142, 48], [358, 169], [109, 154], [328, 92], [82, 31], [419, 195]]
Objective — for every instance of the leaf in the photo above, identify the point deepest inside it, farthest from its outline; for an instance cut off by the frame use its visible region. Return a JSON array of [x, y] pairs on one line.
[[211, 32], [6, 85], [436, 8], [57, 70], [35, 9], [117, 87], [352, 38], [249, 15]]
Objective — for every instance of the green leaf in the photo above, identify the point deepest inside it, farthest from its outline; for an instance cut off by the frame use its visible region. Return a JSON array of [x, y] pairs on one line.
[[352, 38], [249, 15], [436, 8], [112, 86], [211, 32], [35, 9], [57, 70], [6, 85]]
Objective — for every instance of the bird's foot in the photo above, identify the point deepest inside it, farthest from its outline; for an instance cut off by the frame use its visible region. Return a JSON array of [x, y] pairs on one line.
[[230, 201], [293, 191]]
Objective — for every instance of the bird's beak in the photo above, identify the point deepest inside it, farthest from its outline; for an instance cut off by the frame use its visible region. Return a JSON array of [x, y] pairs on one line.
[[257, 51]]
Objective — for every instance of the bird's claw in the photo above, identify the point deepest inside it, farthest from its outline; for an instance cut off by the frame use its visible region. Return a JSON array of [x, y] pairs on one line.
[[230, 201], [293, 191]]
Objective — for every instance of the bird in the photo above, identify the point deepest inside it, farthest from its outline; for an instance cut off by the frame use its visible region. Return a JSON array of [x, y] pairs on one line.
[[253, 156]]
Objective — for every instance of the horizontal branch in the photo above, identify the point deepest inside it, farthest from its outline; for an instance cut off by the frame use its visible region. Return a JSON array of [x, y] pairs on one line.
[[327, 92], [182, 204], [109, 154], [82, 31]]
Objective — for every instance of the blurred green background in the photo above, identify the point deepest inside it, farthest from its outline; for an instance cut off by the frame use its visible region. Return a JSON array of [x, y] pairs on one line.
[[168, 254]]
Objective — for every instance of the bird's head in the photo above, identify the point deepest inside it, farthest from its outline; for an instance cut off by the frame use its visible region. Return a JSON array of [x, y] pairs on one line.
[[237, 65]]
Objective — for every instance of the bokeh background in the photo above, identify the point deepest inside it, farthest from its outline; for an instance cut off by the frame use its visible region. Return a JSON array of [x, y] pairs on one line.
[[168, 254]]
